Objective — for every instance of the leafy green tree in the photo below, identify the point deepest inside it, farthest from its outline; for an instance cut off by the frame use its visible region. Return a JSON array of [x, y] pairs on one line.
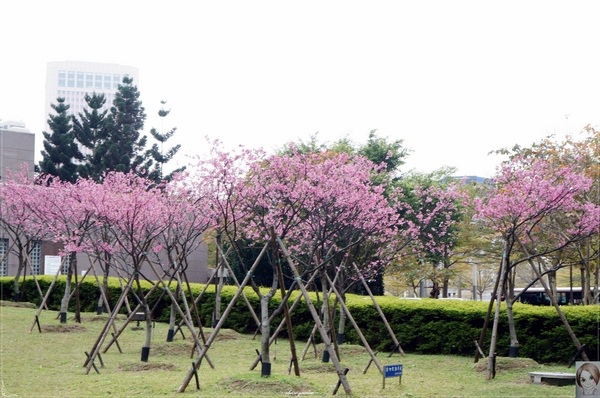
[[311, 146], [381, 151], [444, 239], [61, 152]]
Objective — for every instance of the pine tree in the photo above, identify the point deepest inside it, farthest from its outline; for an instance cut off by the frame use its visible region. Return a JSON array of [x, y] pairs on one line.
[[61, 152], [97, 141], [123, 148], [156, 157], [90, 132]]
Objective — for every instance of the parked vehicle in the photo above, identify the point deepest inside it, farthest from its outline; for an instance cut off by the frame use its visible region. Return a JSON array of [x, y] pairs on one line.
[[538, 296]]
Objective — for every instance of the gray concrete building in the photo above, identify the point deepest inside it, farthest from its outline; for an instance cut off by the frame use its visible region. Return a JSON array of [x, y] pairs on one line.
[[16, 148]]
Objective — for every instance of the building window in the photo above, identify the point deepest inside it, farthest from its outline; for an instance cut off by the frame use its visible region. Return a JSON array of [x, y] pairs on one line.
[[62, 78], [70, 79], [3, 257], [89, 80], [116, 81], [98, 81], [107, 82], [79, 79], [36, 257]]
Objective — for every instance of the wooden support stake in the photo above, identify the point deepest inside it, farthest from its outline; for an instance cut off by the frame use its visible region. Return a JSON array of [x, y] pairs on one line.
[[37, 321], [196, 376], [379, 311], [339, 383], [578, 353], [216, 329], [43, 304], [95, 351], [179, 329], [117, 343], [317, 320], [369, 364], [309, 342], [479, 350], [259, 356], [90, 360], [356, 328]]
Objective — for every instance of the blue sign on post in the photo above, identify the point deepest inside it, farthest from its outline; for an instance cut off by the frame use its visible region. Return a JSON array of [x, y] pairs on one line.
[[392, 371]]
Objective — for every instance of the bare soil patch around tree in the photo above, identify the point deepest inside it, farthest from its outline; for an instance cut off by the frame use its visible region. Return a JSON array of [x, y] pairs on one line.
[[506, 363], [4, 303]]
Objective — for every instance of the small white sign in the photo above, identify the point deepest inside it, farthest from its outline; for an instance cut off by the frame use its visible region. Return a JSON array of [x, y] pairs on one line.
[[51, 264]]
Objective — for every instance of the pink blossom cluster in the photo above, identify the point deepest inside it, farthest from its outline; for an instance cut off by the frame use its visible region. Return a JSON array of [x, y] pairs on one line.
[[321, 205], [527, 191], [125, 214]]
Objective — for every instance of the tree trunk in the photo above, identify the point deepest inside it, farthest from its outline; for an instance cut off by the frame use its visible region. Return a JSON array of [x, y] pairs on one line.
[[16, 284], [509, 290], [445, 285], [105, 272], [490, 373], [219, 289], [513, 351], [144, 305], [172, 316], [265, 331], [100, 303], [341, 324], [582, 280], [218, 283], [325, 311], [552, 282], [64, 304], [73, 257]]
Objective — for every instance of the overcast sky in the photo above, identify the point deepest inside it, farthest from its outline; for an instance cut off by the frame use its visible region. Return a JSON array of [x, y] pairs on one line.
[[453, 79]]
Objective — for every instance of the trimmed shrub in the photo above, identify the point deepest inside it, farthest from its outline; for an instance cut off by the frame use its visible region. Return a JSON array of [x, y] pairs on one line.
[[426, 326]]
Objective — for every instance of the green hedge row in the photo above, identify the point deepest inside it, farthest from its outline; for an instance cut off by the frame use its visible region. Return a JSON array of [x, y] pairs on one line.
[[425, 326]]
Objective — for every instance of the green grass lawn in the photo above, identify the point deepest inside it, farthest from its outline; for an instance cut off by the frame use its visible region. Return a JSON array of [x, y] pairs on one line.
[[50, 364]]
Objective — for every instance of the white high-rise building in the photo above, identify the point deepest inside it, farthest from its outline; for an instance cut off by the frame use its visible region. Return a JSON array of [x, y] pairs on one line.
[[71, 80]]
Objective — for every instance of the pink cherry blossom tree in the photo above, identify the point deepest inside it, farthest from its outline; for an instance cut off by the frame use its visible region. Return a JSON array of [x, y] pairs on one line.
[[526, 192], [135, 214], [138, 219], [319, 204], [68, 218], [223, 175], [188, 219], [431, 211], [21, 225]]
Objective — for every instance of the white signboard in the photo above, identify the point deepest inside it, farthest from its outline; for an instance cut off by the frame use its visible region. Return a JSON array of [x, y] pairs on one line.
[[51, 265]]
